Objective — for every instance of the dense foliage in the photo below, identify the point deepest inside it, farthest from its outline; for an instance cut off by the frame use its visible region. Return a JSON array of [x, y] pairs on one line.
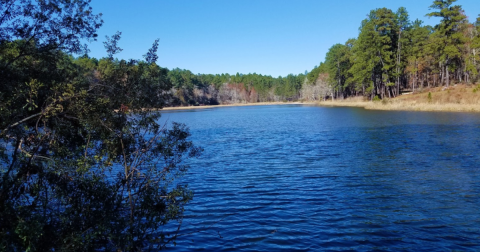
[[84, 162], [209, 89], [392, 53]]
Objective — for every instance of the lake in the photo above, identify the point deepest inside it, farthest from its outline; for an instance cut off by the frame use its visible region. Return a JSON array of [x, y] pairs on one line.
[[299, 178]]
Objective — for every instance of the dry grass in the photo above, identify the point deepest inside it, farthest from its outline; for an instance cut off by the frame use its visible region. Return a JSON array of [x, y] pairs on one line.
[[459, 97], [349, 102]]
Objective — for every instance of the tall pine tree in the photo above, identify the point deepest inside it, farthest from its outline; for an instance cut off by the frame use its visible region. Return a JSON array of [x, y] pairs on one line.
[[448, 33]]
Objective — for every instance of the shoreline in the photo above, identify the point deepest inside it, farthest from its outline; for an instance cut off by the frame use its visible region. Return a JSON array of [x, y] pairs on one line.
[[404, 106], [392, 105], [456, 98], [238, 105]]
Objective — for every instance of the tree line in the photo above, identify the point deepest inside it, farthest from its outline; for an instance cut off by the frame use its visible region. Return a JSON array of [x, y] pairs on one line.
[[392, 54]]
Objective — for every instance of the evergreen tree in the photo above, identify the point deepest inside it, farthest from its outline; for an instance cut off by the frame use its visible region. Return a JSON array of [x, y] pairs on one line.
[[374, 53], [448, 33], [403, 24], [476, 46], [416, 53], [85, 164], [338, 63]]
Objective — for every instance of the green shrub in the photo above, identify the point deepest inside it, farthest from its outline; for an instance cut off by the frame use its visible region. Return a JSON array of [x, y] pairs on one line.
[[476, 89]]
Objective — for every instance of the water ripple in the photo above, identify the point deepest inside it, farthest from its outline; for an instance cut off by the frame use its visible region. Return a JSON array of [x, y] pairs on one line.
[[299, 178]]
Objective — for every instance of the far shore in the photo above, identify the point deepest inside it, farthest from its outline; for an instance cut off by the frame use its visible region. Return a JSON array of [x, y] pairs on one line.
[[369, 105], [237, 105], [456, 98]]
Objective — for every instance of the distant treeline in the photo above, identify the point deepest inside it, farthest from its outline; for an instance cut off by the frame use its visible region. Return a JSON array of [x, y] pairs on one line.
[[390, 55]]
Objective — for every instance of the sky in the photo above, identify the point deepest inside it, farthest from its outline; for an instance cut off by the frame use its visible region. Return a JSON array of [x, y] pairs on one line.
[[269, 37]]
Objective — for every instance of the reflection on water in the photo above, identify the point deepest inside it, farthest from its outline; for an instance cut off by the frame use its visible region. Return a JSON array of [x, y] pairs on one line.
[[310, 178]]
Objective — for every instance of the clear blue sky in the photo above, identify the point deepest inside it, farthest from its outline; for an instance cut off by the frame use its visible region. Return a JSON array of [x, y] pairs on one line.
[[269, 37]]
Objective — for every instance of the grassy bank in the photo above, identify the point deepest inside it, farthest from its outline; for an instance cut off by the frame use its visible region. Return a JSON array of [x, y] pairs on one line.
[[462, 98]]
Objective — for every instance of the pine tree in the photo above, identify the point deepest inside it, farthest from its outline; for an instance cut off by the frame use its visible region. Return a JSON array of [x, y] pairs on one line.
[[417, 39], [374, 52], [476, 45], [448, 33], [403, 24]]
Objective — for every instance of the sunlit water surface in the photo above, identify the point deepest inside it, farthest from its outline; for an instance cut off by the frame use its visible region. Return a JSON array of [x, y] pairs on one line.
[[298, 178]]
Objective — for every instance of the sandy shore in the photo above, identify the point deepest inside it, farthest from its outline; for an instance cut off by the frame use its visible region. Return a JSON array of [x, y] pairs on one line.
[[237, 105]]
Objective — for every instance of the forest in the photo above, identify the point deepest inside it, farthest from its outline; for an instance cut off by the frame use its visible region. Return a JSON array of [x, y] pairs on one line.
[[392, 54], [83, 159]]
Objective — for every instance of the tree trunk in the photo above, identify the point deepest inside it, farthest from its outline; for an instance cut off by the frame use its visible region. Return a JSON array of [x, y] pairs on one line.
[[428, 82], [447, 75], [397, 85], [474, 55], [423, 80], [442, 74], [460, 75], [414, 83]]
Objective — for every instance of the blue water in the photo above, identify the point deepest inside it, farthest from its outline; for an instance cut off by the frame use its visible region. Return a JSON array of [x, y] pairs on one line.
[[300, 178]]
